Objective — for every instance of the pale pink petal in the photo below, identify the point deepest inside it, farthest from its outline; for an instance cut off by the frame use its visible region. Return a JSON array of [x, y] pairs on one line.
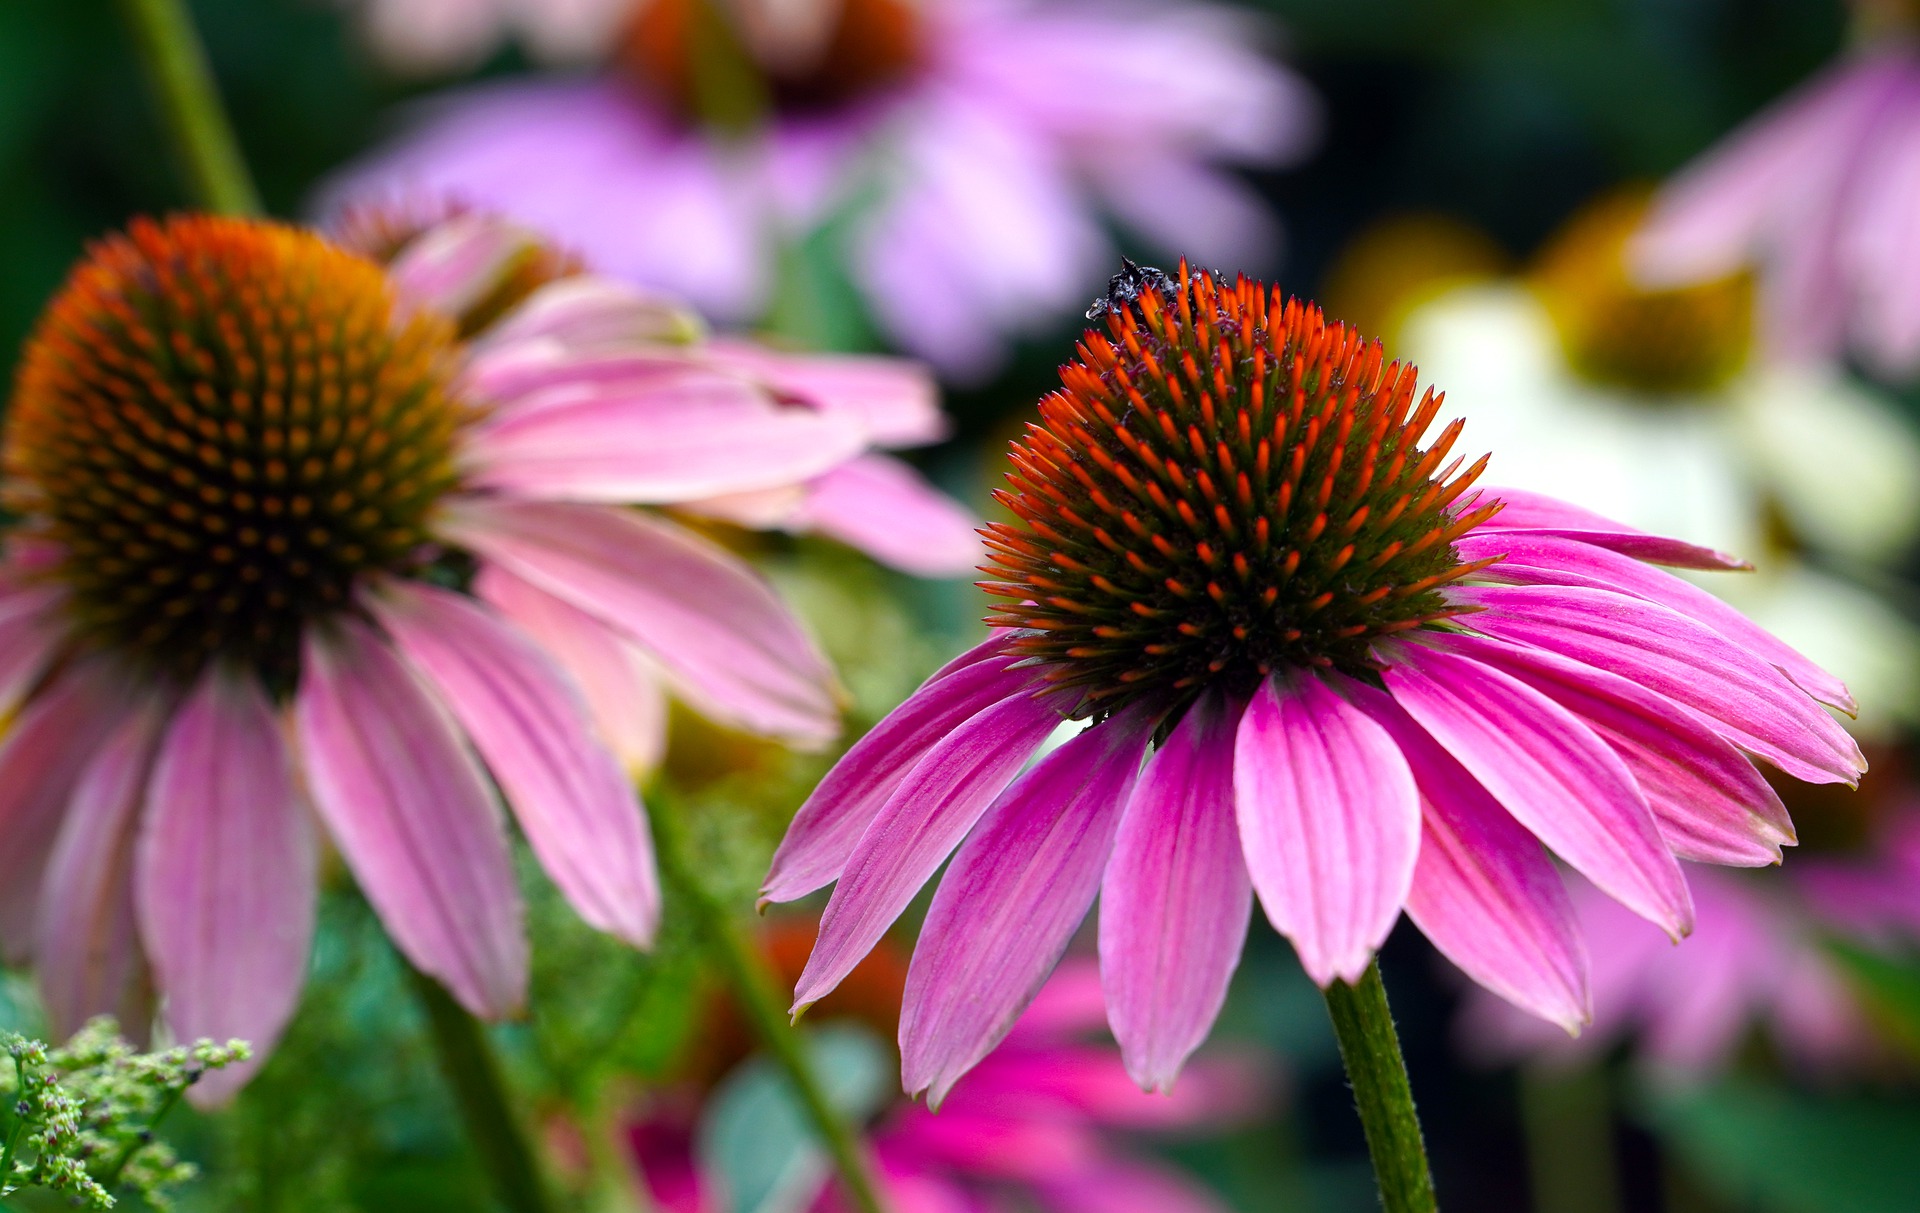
[[895, 401], [622, 694], [1747, 701], [580, 813], [226, 875], [87, 945], [29, 635], [1549, 771], [710, 621], [831, 822], [46, 751], [459, 262], [1535, 558], [410, 809], [889, 511], [1122, 1185], [917, 828], [1176, 899], [588, 313], [1484, 890], [523, 377], [1329, 823], [1013, 896], [1882, 247], [1712, 804]]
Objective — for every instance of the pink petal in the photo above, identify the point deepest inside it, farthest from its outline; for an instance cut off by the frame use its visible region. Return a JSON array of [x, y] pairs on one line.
[[580, 814], [1120, 1185], [46, 751], [1711, 803], [1539, 514], [1535, 559], [28, 637], [1549, 771], [697, 433], [1746, 700], [226, 876], [1483, 890], [457, 263], [1175, 901], [411, 812], [587, 313], [831, 822], [889, 511], [917, 828], [87, 945], [622, 694], [1012, 898], [1329, 823], [895, 400], [709, 620]]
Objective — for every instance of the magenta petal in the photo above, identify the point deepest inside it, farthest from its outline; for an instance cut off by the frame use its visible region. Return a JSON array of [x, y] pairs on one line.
[[1329, 823], [1710, 801], [580, 813], [889, 511], [918, 827], [1748, 701], [1535, 558], [895, 399], [87, 943], [1484, 891], [28, 637], [1654, 549], [412, 814], [1522, 510], [1019, 886], [226, 876], [44, 755], [830, 824], [712, 623], [1176, 899], [1549, 771]]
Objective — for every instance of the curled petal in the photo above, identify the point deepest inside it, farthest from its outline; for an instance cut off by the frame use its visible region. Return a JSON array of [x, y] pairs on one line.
[[459, 262], [585, 313]]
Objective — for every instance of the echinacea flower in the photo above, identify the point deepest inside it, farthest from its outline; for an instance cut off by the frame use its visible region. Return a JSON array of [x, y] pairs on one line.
[[970, 145], [1317, 667], [306, 531], [1822, 192]]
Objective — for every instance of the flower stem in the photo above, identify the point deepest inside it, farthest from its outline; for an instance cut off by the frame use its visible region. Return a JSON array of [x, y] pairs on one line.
[[1378, 1073], [473, 1073], [755, 986], [1567, 1117], [208, 155]]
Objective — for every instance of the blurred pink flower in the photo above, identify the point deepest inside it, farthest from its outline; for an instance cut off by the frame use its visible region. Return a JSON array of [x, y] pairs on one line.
[[1822, 191], [1877, 900], [977, 148], [1039, 1125], [1754, 960], [255, 471]]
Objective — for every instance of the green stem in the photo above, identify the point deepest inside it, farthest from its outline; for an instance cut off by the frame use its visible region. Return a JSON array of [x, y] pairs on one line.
[[473, 1074], [758, 990], [1371, 1051], [112, 1177], [1567, 1116], [208, 155]]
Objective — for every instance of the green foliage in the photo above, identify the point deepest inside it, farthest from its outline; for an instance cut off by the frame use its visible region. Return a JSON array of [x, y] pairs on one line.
[[79, 1119], [1889, 985]]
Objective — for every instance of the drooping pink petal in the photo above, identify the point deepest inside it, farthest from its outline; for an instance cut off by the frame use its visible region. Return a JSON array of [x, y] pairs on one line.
[[87, 941], [1748, 701], [622, 693], [712, 623], [1120, 1185], [1329, 823], [1532, 512], [409, 807], [46, 751], [1176, 899], [1711, 803], [1535, 559], [1017, 889], [28, 636], [1549, 771], [1484, 890], [697, 433], [226, 875], [895, 400], [587, 313], [580, 813], [458, 262], [889, 511], [920, 824], [831, 822]]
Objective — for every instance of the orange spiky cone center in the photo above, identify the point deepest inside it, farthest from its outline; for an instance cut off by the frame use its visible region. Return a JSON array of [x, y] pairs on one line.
[[1224, 485], [222, 424]]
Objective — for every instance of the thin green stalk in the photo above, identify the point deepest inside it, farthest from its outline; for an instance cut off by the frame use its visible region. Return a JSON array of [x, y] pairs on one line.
[[112, 1177], [204, 146], [473, 1074], [1378, 1074], [1567, 1116], [755, 986]]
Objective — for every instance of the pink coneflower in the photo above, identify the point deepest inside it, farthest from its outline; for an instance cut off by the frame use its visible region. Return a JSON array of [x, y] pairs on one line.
[[1823, 192], [1356, 687], [297, 527], [970, 144]]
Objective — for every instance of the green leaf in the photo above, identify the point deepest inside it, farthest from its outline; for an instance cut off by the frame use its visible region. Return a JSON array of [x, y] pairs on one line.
[[1890, 987]]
